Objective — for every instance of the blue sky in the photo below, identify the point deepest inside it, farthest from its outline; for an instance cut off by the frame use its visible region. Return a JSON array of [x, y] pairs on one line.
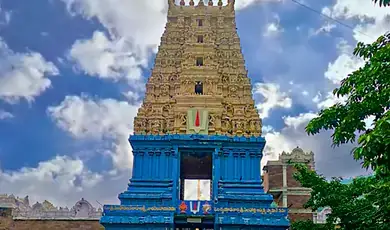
[[72, 75]]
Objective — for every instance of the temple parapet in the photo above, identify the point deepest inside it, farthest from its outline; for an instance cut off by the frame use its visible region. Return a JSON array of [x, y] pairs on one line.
[[215, 7], [297, 155], [218, 3], [21, 210]]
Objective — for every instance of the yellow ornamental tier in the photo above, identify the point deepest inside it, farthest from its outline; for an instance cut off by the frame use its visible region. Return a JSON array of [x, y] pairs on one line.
[[199, 82]]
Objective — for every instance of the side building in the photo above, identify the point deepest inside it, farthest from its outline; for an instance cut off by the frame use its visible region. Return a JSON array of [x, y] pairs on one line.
[[17, 214], [287, 192]]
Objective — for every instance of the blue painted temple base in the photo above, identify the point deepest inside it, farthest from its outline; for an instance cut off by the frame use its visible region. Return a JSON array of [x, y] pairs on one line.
[[152, 199]]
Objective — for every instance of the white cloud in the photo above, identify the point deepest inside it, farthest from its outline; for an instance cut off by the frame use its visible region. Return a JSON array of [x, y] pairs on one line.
[[5, 16], [325, 29], [63, 181], [113, 59], [5, 115], [273, 29], [100, 120], [23, 75], [344, 65], [295, 122], [329, 161], [135, 29], [363, 10], [267, 129], [373, 21], [139, 22], [273, 98], [329, 100]]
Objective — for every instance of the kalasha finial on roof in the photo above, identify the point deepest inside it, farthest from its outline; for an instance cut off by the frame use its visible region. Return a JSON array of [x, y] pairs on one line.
[[220, 3], [211, 3], [182, 2], [201, 3], [192, 3]]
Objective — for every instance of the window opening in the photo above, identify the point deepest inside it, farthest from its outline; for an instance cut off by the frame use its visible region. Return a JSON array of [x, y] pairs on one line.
[[200, 38], [199, 61], [200, 22], [199, 88]]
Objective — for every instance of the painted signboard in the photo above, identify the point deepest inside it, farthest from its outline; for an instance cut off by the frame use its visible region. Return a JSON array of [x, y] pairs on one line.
[[193, 208]]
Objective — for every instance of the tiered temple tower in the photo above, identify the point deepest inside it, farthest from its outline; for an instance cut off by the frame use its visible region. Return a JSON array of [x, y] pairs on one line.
[[198, 121]]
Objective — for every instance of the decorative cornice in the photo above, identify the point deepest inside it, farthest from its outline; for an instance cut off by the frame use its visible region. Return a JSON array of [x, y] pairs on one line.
[[191, 137]]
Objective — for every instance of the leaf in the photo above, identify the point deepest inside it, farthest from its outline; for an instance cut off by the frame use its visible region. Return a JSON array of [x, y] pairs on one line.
[[365, 203]]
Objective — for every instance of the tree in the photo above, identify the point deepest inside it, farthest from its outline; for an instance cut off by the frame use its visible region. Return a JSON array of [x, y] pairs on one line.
[[367, 93], [383, 3], [365, 203], [360, 205]]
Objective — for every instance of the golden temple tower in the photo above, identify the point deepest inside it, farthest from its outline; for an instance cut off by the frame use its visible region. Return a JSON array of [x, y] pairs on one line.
[[199, 85], [199, 67]]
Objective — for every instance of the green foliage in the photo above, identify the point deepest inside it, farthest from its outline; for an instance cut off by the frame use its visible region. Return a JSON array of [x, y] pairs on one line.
[[308, 225], [383, 3], [363, 204], [367, 91]]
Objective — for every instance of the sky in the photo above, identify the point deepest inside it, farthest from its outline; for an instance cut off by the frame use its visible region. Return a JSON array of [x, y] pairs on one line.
[[72, 75]]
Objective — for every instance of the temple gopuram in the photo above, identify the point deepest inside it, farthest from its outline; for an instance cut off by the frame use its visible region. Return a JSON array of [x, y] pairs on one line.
[[198, 121]]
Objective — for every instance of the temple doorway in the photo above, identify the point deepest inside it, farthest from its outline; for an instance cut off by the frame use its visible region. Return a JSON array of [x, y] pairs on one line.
[[196, 172], [193, 227]]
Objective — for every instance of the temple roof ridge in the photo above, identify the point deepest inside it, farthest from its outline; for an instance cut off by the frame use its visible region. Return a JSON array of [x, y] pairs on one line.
[[297, 155], [45, 205], [82, 209]]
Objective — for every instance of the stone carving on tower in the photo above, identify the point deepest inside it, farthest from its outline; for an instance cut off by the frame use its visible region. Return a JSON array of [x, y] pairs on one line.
[[201, 68]]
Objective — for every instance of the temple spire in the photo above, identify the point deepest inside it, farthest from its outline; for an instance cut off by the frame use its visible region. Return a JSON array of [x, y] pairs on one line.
[[211, 3], [171, 3], [195, 71], [231, 3]]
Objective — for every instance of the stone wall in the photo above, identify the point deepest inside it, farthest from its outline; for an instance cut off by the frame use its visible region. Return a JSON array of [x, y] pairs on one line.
[[300, 216], [274, 177], [17, 214], [291, 182], [297, 201], [6, 223]]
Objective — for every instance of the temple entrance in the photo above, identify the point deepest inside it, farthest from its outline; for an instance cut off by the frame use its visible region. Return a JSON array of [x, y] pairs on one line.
[[196, 172], [194, 227], [193, 223]]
